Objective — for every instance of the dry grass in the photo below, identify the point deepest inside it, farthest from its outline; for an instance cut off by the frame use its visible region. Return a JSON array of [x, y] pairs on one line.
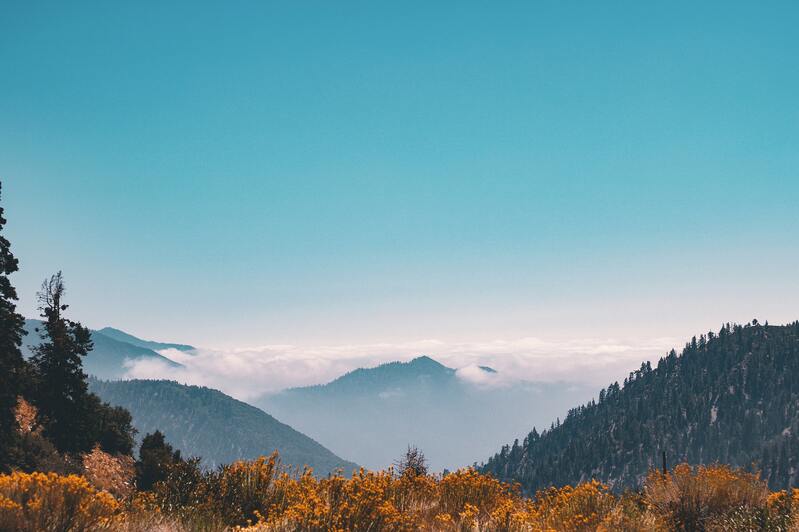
[[26, 417], [692, 498], [114, 474]]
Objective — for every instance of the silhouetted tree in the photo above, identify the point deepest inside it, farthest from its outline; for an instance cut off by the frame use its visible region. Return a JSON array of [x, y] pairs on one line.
[[156, 458], [61, 392], [11, 362], [112, 427], [73, 419]]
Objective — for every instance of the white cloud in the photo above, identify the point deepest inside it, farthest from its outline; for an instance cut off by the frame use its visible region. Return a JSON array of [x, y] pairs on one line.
[[478, 376], [249, 372]]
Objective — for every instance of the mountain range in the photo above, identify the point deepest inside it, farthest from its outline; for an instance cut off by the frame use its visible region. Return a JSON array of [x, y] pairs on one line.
[[113, 350], [730, 397], [373, 414], [122, 336], [370, 415]]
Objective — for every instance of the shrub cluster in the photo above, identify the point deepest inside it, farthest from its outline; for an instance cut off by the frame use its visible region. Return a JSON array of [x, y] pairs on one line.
[[48, 501], [262, 496]]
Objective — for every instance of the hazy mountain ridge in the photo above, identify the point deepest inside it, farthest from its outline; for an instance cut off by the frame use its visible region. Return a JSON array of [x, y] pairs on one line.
[[122, 336], [374, 413], [390, 374], [108, 357], [207, 423], [731, 397]]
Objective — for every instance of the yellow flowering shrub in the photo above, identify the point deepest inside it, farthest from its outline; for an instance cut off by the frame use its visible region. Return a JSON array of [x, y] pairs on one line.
[[579, 508], [469, 499], [37, 501], [246, 490], [464, 500], [367, 501]]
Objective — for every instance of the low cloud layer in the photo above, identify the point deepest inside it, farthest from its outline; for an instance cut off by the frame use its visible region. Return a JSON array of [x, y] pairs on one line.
[[251, 372]]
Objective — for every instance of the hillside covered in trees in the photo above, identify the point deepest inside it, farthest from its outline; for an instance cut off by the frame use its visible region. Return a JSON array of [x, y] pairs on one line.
[[213, 426], [730, 397]]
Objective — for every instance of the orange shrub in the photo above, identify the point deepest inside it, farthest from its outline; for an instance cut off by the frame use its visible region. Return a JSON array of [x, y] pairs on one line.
[[469, 499], [245, 492], [464, 500], [578, 508], [367, 501], [38, 501]]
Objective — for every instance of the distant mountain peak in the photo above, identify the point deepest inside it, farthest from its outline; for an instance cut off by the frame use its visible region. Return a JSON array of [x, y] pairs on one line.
[[122, 336], [421, 365], [372, 414], [426, 361], [487, 369], [389, 374]]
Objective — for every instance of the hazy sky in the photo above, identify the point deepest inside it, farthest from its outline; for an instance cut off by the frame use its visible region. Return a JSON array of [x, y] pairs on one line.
[[239, 174]]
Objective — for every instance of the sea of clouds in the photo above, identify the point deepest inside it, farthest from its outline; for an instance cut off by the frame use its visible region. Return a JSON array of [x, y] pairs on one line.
[[248, 373]]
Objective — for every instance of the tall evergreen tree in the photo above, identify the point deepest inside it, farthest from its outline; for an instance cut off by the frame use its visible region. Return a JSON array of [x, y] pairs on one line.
[[11, 361], [113, 426], [61, 391], [156, 456]]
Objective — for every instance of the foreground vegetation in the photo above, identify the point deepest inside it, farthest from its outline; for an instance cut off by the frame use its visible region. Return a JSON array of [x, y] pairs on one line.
[[261, 496]]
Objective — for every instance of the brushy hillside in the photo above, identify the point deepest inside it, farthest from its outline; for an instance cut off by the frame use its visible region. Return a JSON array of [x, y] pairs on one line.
[[731, 397], [372, 414], [259, 496], [209, 424]]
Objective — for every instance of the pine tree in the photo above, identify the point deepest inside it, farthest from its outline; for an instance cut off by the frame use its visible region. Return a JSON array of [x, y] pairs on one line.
[[11, 362], [61, 391], [156, 456], [111, 426]]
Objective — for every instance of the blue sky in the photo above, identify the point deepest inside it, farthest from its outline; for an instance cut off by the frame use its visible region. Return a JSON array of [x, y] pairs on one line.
[[355, 172]]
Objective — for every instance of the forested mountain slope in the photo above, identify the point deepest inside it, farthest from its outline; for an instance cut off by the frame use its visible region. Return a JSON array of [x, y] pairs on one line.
[[731, 397], [209, 424]]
